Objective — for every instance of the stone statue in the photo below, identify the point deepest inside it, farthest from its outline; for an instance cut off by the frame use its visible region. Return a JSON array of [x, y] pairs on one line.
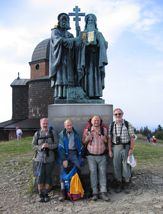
[[92, 59], [62, 57], [77, 65]]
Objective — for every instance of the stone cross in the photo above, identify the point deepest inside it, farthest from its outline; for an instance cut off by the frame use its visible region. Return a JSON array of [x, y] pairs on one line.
[[76, 18]]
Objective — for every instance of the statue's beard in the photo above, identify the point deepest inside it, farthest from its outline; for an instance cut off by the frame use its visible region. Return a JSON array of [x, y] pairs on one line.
[[90, 27], [63, 25]]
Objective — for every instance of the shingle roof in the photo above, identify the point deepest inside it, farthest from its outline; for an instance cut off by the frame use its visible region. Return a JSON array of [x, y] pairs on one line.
[[27, 124], [41, 51], [19, 82]]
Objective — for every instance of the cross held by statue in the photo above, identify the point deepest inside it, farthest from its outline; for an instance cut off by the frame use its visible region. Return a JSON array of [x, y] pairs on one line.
[[76, 18]]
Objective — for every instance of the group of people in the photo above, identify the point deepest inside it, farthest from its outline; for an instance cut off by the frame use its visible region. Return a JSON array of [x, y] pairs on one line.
[[71, 147], [153, 139]]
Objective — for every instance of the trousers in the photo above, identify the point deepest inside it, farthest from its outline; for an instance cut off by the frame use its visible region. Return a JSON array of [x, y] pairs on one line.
[[121, 167], [73, 157], [97, 162]]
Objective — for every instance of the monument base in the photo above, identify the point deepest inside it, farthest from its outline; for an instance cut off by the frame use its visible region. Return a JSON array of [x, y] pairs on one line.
[[79, 114], [81, 101]]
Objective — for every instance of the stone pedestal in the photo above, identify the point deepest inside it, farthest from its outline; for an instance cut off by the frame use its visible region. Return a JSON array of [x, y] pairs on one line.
[[79, 114]]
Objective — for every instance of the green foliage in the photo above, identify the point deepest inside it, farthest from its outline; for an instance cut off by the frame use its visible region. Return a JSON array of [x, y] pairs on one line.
[[158, 133]]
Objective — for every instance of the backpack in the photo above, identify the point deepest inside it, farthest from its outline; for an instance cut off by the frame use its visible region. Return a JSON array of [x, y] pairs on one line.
[[102, 126], [73, 184], [90, 125], [46, 137]]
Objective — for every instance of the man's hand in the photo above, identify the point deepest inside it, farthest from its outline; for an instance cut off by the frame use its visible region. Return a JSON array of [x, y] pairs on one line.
[[103, 138], [130, 152], [65, 163], [45, 145], [88, 138]]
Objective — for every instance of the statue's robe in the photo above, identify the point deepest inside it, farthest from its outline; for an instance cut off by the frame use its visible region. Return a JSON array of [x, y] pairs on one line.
[[61, 61], [92, 59]]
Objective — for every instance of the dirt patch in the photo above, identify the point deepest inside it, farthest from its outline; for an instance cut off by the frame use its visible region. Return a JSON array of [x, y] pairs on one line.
[[146, 193]]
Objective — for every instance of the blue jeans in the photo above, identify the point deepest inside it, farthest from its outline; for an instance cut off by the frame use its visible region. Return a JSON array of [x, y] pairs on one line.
[[73, 157], [94, 162]]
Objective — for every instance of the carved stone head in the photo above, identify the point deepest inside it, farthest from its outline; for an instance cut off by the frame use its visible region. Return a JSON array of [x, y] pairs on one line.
[[90, 20], [63, 21]]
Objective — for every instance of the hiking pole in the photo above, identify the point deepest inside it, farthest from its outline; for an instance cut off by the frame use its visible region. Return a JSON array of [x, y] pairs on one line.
[[37, 173]]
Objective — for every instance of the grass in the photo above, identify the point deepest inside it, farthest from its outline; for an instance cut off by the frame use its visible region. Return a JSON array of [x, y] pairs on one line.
[[15, 147], [142, 151], [146, 155]]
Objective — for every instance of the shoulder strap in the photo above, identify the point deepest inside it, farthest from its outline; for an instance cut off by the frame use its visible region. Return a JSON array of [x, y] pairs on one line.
[[38, 135], [126, 123], [111, 131], [51, 135]]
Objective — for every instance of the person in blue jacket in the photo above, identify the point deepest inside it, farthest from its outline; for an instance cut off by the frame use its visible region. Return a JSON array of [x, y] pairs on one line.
[[70, 148]]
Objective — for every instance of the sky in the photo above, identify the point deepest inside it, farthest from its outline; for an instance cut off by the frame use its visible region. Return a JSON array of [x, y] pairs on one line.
[[133, 30]]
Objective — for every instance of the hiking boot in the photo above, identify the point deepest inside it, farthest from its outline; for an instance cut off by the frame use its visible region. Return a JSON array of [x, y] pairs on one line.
[[62, 197], [95, 197], [41, 198], [119, 187], [104, 196], [127, 187], [46, 198]]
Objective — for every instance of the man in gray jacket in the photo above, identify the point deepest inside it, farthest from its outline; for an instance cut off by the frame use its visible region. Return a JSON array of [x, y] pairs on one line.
[[44, 142]]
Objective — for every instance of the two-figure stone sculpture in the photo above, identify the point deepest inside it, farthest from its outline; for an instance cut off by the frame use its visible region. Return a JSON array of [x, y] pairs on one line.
[[77, 65]]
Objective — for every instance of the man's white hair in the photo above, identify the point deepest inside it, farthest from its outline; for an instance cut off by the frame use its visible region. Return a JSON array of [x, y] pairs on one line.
[[119, 109]]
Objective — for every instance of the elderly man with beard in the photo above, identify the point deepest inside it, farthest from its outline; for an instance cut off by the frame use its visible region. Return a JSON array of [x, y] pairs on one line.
[[96, 146], [120, 144], [48, 144]]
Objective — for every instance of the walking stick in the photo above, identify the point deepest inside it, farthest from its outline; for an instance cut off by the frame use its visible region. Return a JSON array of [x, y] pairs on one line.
[[38, 173]]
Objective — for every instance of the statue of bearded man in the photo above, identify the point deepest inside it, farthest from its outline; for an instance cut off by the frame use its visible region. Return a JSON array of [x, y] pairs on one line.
[[93, 59], [61, 59]]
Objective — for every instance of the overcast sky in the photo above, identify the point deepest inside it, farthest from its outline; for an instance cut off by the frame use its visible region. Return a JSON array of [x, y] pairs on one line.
[[133, 29]]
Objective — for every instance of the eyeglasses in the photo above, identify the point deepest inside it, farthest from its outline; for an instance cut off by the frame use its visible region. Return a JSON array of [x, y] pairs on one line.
[[118, 114]]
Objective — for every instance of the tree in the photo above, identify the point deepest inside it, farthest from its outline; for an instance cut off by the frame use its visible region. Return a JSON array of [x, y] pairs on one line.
[[146, 131]]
